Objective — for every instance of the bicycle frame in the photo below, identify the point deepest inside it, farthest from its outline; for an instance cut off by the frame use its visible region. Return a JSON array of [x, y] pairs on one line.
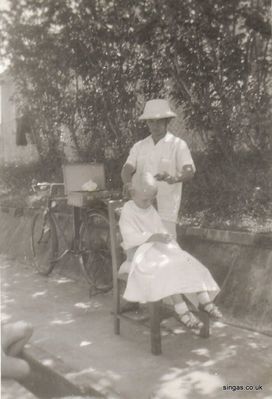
[[51, 198], [73, 246], [77, 243]]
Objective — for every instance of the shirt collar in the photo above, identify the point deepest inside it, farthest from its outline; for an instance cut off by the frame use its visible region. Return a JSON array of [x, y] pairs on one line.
[[166, 138]]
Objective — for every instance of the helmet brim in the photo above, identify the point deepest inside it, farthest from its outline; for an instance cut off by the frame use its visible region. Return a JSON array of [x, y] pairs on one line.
[[168, 115]]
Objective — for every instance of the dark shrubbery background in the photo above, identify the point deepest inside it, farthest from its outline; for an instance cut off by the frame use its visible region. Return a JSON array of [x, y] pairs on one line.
[[87, 67], [230, 197], [239, 198]]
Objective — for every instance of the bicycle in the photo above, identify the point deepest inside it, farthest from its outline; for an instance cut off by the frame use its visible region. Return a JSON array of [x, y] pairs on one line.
[[90, 242]]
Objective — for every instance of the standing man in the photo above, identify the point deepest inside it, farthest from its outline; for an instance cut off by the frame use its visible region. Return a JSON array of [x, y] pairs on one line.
[[164, 155]]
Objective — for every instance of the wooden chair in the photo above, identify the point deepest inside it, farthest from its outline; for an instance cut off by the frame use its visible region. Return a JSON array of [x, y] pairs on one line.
[[114, 208], [155, 308]]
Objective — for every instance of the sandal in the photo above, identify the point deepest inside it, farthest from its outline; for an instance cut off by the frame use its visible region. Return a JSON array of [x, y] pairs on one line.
[[190, 321], [211, 309]]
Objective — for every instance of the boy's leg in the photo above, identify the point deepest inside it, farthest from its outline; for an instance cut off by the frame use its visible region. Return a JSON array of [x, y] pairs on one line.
[[203, 297], [184, 315], [179, 304], [208, 306]]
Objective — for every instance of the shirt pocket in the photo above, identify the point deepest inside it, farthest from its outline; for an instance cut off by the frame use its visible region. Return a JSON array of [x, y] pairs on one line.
[[165, 165], [147, 163]]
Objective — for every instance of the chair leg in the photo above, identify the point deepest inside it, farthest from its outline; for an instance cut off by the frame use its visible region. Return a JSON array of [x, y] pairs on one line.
[[116, 311], [155, 329], [205, 330]]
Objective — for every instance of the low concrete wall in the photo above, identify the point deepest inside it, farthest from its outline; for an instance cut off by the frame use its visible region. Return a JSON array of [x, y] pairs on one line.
[[242, 265], [240, 262]]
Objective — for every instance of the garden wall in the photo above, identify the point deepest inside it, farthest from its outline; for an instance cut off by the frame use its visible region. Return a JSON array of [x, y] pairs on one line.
[[242, 265], [240, 262]]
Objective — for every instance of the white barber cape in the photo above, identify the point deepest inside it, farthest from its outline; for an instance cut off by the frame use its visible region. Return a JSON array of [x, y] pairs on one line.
[[158, 270], [169, 155]]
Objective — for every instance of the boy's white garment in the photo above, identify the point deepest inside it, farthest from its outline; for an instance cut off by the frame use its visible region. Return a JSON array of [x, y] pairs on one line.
[[171, 228], [138, 225], [158, 270], [169, 155]]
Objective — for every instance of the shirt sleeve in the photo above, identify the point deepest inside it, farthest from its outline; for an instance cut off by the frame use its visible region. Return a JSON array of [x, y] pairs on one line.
[[184, 156], [132, 236]]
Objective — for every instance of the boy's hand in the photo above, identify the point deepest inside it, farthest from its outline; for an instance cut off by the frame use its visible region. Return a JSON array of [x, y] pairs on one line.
[[161, 237]]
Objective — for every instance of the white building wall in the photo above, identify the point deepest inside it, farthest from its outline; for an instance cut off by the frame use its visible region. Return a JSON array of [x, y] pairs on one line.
[[10, 152]]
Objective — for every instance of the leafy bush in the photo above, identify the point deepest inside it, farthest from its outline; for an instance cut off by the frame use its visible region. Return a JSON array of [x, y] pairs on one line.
[[16, 181], [89, 66], [238, 197], [221, 195]]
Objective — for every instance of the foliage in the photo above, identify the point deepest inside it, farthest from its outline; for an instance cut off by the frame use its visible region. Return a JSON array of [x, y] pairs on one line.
[[86, 67], [244, 204], [218, 56], [16, 182], [74, 65], [217, 197]]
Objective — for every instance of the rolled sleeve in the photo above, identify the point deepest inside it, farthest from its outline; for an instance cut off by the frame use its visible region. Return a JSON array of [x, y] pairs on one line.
[[184, 156]]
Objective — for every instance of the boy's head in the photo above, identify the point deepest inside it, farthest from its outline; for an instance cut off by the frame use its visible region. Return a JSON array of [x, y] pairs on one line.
[[144, 190]]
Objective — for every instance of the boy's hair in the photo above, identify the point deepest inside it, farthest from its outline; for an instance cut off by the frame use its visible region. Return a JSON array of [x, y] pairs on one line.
[[145, 183]]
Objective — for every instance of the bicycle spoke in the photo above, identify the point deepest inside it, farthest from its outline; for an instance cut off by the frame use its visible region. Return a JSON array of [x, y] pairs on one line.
[[95, 244], [44, 243]]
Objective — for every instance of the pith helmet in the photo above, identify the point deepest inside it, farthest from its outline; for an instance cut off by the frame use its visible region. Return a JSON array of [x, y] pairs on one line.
[[157, 109]]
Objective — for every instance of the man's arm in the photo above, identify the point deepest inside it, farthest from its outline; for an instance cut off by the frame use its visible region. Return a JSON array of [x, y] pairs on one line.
[[127, 172], [186, 175], [184, 165], [126, 175]]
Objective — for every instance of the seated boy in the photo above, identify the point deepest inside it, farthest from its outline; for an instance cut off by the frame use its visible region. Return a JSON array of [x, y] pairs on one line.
[[159, 267]]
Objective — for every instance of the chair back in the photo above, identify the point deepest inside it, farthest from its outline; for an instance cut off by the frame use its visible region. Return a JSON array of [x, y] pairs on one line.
[[117, 254], [114, 210]]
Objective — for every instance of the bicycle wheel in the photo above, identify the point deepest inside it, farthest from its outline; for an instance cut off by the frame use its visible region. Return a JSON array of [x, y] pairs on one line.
[[44, 243], [95, 247]]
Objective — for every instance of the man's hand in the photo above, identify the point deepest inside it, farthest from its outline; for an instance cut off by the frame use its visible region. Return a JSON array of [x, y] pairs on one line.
[[161, 237], [168, 178], [173, 179], [186, 174], [126, 190]]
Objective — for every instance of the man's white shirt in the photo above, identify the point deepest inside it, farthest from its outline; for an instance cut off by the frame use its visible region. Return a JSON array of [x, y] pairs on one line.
[[169, 155]]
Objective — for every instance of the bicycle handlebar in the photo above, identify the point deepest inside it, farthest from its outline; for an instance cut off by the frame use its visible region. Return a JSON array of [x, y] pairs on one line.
[[45, 186]]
